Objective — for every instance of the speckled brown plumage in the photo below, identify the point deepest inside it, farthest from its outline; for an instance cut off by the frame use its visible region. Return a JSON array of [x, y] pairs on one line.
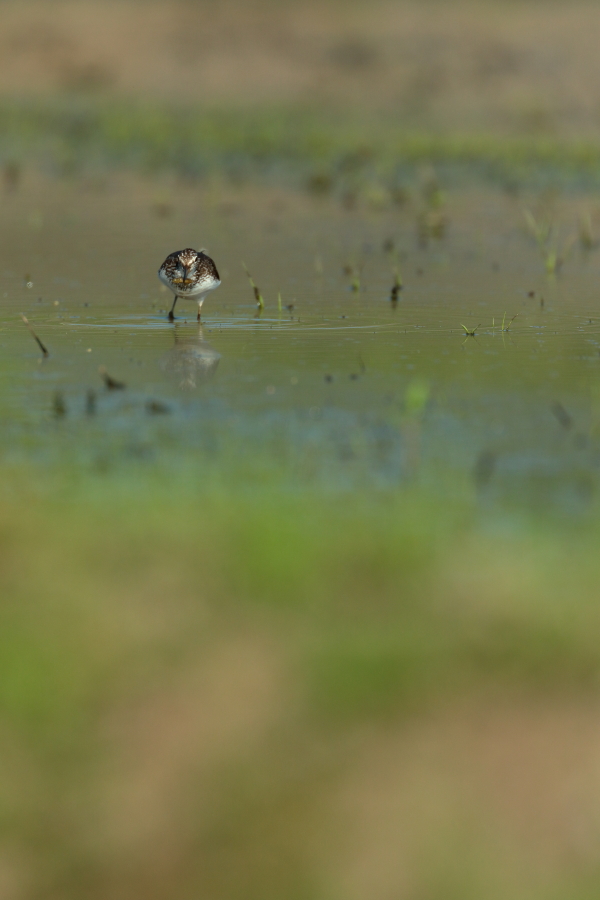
[[189, 274]]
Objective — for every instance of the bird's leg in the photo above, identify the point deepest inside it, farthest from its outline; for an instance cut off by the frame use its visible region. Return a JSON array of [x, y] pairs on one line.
[[171, 313], [200, 302]]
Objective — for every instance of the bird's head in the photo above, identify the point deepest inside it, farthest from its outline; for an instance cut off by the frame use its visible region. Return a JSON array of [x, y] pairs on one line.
[[185, 270]]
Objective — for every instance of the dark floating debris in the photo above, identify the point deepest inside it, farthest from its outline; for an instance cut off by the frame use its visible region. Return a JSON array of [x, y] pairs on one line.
[[90, 403], [35, 337], [531, 293], [110, 383], [59, 407], [329, 378], [396, 288], [156, 408], [319, 183], [562, 416]]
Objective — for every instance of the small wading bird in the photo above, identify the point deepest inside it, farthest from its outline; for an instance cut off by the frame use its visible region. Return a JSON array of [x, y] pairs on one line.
[[190, 274]]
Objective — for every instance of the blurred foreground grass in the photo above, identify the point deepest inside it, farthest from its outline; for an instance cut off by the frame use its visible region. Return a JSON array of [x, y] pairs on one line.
[[211, 692]]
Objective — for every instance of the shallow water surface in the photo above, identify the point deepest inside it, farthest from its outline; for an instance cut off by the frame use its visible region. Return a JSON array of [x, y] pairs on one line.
[[334, 384]]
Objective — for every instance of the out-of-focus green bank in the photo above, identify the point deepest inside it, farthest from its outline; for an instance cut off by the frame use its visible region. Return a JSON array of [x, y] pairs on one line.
[[308, 148], [235, 691]]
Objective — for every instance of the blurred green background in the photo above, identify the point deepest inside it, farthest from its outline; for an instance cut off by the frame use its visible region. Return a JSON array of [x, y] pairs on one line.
[[243, 87]]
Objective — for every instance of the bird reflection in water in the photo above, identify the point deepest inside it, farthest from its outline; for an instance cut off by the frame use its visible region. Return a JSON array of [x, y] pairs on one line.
[[191, 360]]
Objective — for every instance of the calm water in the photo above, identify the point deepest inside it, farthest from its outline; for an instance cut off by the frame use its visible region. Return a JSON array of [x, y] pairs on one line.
[[344, 388]]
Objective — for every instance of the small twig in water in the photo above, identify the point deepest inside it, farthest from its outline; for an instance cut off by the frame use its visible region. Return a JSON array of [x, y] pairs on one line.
[[257, 294], [90, 403], [58, 405], [539, 230], [396, 287], [471, 333], [157, 408], [35, 337], [562, 416], [553, 256], [110, 383], [354, 271]]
